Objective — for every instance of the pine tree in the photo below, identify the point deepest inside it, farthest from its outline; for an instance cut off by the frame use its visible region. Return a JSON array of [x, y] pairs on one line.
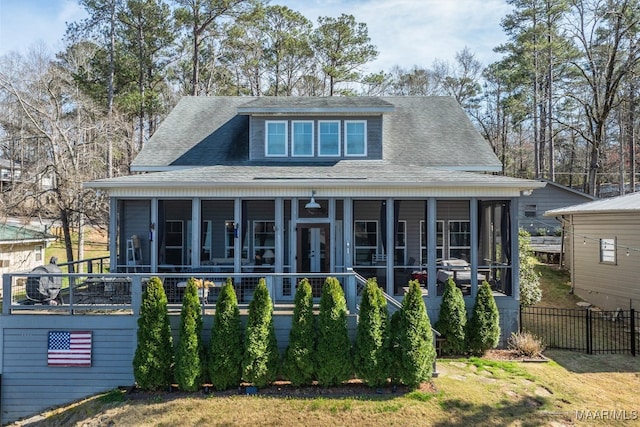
[[452, 320], [298, 364], [261, 357], [333, 355], [483, 329], [370, 349], [225, 345], [153, 359], [415, 339], [189, 355]]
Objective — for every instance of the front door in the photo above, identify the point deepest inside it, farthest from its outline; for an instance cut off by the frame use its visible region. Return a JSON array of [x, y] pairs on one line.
[[313, 252]]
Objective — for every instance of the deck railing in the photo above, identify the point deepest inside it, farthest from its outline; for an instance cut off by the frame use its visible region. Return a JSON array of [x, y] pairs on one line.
[[121, 293]]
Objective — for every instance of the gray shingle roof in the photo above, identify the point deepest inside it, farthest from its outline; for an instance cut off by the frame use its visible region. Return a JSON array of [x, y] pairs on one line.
[[626, 203], [351, 173], [420, 131]]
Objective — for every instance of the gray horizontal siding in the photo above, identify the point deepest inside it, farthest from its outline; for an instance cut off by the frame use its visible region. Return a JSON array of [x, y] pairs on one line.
[[545, 199]]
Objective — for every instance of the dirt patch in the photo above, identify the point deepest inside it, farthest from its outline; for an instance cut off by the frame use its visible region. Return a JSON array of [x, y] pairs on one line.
[[512, 356]]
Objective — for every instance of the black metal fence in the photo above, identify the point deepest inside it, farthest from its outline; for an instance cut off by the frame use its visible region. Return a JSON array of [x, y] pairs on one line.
[[589, 330]]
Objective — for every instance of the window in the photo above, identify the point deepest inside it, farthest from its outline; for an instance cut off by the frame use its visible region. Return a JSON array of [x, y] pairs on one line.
[[205, 239], [355, 138], [302, 138], [439, 241], [264, 242], [329, 138], [460, 240], [401, 243], [231, 233], [530, 211], [276, 138], [608, 251], [38, 253], [366, 241]]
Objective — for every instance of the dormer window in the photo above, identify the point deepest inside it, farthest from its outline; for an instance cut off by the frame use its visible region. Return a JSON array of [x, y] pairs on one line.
[[302, 138], [329, 138], [276, 138], [355, 138]]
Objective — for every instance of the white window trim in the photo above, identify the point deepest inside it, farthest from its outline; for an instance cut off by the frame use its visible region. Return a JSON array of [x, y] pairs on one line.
[[357, 247], [320, 122], [293, 139], [346, 138], [607, 251], [449, 233], [266, 138]]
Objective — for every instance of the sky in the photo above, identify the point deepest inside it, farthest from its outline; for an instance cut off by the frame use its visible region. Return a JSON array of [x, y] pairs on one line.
[[406, 32]]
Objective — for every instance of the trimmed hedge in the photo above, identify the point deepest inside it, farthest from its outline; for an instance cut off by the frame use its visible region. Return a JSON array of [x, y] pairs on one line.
[[153, 359], [333, 355], [189, 355], [371, 347], [483, 329], [452, 320], [298, 364], [225, 345], [415, 339], [261, 356]]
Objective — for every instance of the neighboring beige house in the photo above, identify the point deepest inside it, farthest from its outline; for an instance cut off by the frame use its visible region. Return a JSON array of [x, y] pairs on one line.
[[602, 240], [21, 248]]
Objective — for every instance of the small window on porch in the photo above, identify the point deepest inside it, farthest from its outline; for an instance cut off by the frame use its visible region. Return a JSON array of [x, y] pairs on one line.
[[401, 243], [366, 241], [460, 240], [264, 242], [439, 241]]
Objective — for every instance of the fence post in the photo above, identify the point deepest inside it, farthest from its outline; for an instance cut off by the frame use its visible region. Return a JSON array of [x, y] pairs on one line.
[[588, 330], [520, 319], [632, 314]]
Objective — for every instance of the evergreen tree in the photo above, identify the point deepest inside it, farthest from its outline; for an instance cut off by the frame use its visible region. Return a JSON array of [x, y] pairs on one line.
[[298, 363], [530, 292], [393, 348], [189, 355], [153, 359], [415, 339], [453, 319], [483, 329], [261, 357], [370, 350], [333, 355], [225, 345]]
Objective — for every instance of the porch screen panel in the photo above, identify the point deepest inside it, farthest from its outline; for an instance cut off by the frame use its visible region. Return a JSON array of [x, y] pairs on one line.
[[494, 244], [217, 233], [134, 219]]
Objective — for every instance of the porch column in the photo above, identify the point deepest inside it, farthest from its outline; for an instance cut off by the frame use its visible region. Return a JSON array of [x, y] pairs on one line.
[[153, 234], [391, 245], [113, 234], [515, 249], [237, 241], [196, 223], [279, 234], [430, 223], [332, 234], [473, 213], [348, 232]]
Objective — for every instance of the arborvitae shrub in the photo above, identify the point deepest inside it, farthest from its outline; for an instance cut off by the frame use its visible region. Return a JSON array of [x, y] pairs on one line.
[[370, 349], [415, 339], [393, 348], [298, 364], [261, 356], [225, 345], [189, 353], [452, 320], [483, 329], [333, 355], [530, 293], [153, 359]]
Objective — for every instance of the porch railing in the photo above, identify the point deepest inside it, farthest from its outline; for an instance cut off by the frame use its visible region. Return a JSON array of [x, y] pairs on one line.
[[121, 293]]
